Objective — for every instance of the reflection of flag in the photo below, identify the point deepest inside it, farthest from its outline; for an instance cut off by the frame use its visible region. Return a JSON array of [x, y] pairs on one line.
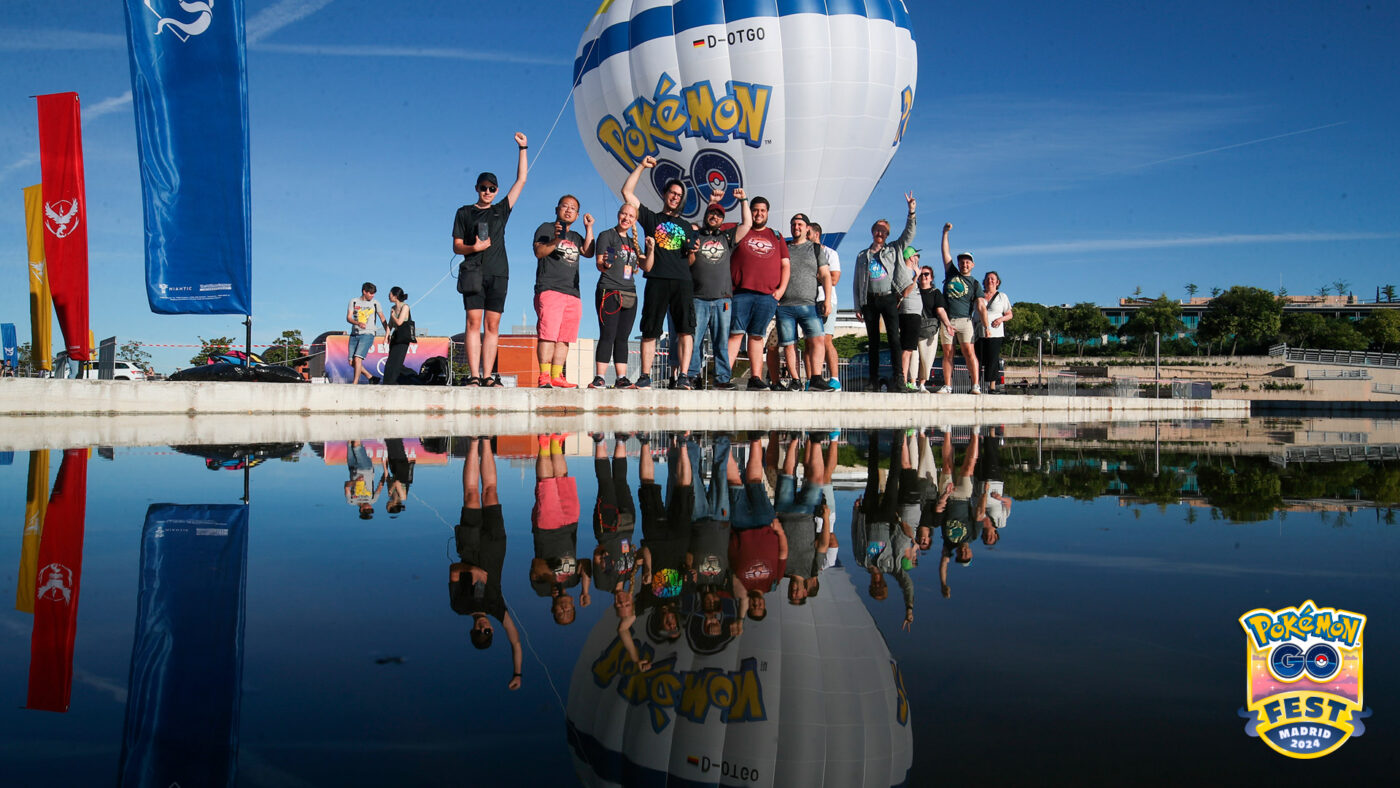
[[187, 658], [65, 216], [190, 96], [40, 299], [56, 587], [36, 503]]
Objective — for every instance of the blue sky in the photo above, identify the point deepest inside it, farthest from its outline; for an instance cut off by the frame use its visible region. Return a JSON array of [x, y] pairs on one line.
[[1080, 149]]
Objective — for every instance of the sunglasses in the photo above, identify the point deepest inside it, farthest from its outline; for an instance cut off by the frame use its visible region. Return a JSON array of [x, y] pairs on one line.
[[486, 187]]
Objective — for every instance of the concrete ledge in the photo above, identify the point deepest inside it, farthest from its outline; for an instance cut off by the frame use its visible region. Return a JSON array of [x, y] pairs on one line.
[[38, 414]]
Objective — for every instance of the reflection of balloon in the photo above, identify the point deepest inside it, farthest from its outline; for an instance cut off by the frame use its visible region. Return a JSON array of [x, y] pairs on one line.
[[809, 696], [794, 102]]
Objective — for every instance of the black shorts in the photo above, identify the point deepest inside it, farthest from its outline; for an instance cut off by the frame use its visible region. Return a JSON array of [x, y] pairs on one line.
[[909, 326], [675, 297], [492, 297]]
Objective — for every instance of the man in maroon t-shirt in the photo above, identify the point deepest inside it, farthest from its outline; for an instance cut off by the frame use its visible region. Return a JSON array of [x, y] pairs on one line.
[[758, 558], [760, 268]]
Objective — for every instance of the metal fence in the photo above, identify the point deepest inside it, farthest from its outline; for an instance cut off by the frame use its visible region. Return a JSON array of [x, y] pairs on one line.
[[1339, 374], [1354, 358]]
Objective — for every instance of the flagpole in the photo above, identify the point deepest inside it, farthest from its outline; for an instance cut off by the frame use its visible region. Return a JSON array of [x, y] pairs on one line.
[[248, 342]]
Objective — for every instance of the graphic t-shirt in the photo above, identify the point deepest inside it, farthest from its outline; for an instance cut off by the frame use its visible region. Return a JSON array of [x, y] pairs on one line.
[[753, 554], [623, 255], [559, 550], [709, 550], [757, 263], [493, 261], [961, 293], [881, 279], [558, 271], [710, 273], [672, 235], [614, 559], [803, 283], [364, 312]]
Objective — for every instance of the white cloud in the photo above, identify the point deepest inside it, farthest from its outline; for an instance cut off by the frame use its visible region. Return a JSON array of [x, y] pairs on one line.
[[277, 16]]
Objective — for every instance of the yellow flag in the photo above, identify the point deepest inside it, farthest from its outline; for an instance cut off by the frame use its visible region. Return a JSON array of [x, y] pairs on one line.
[[35, 507], [40, 298]]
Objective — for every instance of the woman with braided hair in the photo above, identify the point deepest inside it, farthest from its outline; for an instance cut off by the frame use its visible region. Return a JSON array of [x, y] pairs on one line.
[[619, 259]]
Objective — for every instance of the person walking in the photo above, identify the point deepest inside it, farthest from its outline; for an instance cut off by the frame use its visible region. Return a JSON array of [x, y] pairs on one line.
[[558, 307], [876, 293], [996, 310], [361, 314], [619, 260], [400, 334], [479, 235]]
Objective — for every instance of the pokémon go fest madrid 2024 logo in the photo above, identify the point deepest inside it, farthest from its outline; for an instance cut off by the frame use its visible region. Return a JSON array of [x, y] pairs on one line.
[[1304, 684]]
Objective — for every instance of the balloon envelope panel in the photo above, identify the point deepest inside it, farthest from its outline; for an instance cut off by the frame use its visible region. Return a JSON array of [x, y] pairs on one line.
[[809, 696], [803, 102]]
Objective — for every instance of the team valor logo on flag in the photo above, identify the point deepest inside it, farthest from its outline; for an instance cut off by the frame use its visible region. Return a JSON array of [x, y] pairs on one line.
[[56, 583], [61, 217], [1304, 684], [183, 29]]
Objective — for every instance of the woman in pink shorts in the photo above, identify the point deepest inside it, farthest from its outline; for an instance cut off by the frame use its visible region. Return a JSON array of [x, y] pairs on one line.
[[557, 303]]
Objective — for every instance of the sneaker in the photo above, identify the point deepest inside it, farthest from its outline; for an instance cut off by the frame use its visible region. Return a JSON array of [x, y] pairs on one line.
[[910, 388], [757, 385], [946, 390], [834, 383], [725, 385], [623, 383], [819, 384], [975, 390], [683, 383], [598, 383], [562, 383], [544, 382], [643, 382]]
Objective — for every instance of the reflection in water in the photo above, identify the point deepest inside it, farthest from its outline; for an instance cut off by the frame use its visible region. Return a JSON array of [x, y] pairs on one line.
[[739, 636]]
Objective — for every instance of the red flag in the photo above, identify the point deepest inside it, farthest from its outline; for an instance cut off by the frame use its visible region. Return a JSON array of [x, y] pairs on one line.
[[56, 588], [65, 216]]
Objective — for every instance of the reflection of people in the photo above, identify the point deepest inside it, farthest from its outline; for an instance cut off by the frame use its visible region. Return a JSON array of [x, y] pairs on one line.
[[616, 558], [360, 490], [707, 559], [758, 546], [797, 511], [883, 542], [957, 520], [992, 501], [556, 567], [474, 582], [665, 536], [398, 475]]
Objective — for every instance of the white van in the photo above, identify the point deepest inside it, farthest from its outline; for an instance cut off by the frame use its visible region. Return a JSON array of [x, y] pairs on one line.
[[124, 371]]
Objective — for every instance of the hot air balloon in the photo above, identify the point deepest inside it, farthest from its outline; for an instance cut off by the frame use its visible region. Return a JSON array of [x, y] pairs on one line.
[[808, 696], [804, 102]]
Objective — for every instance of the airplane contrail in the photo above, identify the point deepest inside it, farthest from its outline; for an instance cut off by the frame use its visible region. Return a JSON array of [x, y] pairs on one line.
[[1229, 147]]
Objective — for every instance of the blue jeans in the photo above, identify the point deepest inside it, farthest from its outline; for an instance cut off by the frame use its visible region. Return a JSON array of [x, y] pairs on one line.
[[712, 317]]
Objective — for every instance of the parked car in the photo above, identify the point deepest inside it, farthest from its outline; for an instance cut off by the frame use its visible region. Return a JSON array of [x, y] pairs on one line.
[[125, 370]]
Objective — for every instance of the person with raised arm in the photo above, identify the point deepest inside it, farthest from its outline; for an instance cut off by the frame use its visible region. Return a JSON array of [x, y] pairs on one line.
[[714, 285], [963, 296], [668, 290], [877, 286], [479, 235]]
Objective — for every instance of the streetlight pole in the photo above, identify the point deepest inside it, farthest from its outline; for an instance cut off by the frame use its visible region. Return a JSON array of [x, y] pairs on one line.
[[1157, 365], [1039, 362]]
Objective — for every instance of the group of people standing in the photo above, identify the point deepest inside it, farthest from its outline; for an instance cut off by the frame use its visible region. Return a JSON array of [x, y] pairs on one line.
[[725, 282]]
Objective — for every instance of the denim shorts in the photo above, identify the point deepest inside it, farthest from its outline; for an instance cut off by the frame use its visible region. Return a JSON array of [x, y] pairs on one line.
[[360, 344], [790, 317], [752, 313]]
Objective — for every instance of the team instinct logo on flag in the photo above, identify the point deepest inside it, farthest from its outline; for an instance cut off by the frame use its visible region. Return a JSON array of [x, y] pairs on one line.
[[56, 583], [1304, 683], [183, 29], [61, 217]]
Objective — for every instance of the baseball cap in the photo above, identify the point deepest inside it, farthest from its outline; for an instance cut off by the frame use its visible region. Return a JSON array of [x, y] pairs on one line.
[[801, 216], [961, 255], [909, 252], [714, 207], [487, 177]]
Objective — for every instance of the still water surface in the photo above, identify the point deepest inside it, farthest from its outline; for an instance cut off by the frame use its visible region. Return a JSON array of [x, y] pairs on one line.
[[857, 608]]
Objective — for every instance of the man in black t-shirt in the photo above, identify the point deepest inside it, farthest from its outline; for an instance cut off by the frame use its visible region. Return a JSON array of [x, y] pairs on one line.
[[668, 289], [479, 235], [714, 284]]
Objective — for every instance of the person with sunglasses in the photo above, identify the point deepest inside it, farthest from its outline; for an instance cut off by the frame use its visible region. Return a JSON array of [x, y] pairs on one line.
[[479, 235], [932, 319]]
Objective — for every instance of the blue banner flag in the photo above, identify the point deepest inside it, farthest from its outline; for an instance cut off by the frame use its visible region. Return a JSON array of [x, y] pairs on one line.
[[189, 88], [9, 344], [187, 657]]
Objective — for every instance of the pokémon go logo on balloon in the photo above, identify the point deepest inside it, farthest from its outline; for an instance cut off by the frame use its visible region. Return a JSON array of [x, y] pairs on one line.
[[1304, 684], [649, 124], [738, 694]]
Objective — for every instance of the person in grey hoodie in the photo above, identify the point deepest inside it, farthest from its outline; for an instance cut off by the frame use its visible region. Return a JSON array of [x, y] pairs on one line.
[[880, 277]]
